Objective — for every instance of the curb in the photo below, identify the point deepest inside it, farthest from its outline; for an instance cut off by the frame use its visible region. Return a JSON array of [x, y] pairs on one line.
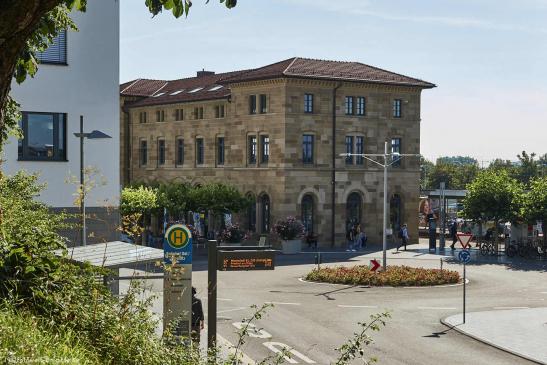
[[387, 287], [486, 342]]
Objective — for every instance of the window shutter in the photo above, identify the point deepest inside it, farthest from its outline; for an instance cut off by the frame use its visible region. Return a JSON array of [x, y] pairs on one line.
[[56, 52]]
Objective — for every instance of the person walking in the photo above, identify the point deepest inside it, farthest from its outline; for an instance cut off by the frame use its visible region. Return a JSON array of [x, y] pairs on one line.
[[197, 318], [362, 237], [403, 234], [350, 236], [454, 234]]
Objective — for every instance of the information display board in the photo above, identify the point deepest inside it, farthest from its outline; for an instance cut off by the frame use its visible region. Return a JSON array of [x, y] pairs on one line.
[[246, 260]]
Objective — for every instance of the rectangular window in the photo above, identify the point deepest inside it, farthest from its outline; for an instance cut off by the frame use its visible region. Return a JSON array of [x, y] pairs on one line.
[[397, 105], [252, 104], [56, 52], [307, 148], [179, 114], [143, 149], [142, 117], [359, 149], [220, 150], [252, 150], [396, 148], [265, 149], [199, 151], [44, 137], [349, 149], [263, 104], [198, 112], [349, 105], [219, 111], [160, 116], [361, 105], [161, 152], [308, 103], [180, 152]]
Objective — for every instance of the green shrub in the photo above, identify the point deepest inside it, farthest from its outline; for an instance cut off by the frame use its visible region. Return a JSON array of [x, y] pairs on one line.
[[393, 276], [26, 339]]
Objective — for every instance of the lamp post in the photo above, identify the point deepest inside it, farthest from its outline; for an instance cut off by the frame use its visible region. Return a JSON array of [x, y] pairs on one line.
[[385, 166], [91, 135]]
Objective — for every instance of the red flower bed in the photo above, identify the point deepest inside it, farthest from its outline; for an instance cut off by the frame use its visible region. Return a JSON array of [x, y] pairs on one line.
[[393, 276]]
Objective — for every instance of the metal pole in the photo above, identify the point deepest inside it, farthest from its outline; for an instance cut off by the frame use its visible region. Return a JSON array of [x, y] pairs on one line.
[[384, 238], [464, 292], [82, 182], [443, 214], [212, 298]]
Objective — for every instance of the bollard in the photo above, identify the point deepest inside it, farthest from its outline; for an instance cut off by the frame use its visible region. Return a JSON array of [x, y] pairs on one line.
[[441, 264]]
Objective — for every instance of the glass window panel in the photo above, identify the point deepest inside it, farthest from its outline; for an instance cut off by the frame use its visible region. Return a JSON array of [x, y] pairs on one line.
[[40, 142]]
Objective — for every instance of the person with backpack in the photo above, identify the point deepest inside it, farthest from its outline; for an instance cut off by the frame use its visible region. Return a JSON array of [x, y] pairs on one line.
[[403, 235], [454, 234], [362, 237], [197, 318], [350, 236]]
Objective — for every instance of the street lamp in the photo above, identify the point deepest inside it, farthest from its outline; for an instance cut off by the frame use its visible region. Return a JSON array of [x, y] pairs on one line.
[[385, 165], [91, 135]]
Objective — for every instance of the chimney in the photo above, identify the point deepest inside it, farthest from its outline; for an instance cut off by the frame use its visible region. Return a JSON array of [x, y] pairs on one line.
[[205, 73]]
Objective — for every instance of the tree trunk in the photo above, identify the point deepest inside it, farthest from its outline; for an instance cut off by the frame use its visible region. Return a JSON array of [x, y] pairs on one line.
[[18, 21]]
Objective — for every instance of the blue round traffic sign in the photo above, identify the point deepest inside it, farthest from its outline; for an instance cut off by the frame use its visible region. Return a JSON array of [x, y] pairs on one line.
[[464, 256]]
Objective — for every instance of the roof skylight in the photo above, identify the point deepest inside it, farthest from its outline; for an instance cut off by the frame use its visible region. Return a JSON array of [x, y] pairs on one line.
[[176, 92], [195, 90], [215, 88], [159, 94]]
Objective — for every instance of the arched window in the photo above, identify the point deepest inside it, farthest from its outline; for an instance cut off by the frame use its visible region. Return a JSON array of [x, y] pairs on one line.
[[353, 209], [395, 212], [265, 213], [307, 213], [251, 214]]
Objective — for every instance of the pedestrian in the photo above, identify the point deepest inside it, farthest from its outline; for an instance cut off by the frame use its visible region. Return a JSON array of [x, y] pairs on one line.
[[403, 235], [197, 318], [454, 233], [350, 237], [362, 237]]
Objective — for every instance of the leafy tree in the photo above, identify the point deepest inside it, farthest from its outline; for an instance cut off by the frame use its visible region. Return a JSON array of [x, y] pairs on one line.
[[493, 196], [528, 167], [175, 197], [456, 175], [29, 26], [138, 200], [218, 198], [462, 160], [426, 167], [535, 203]]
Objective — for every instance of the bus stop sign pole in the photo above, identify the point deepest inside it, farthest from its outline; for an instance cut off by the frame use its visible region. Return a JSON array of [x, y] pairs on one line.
[[212, 296]]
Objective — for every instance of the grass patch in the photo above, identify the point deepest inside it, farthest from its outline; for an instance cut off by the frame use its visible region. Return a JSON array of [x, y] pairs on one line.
[[393, 276]]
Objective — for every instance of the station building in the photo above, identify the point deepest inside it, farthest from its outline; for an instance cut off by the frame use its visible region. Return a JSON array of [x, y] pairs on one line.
[[276, 133]]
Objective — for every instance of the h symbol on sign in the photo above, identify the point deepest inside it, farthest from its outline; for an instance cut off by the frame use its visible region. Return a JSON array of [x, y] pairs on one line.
[[178, 237]]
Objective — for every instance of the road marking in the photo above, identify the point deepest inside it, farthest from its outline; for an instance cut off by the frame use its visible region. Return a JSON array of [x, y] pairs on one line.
[[225, 345], [273, 346], [357, 306], [281, 303], [511, 307], [231, 310], [543, 292], [438, 308], [225, 299], [252, 331]]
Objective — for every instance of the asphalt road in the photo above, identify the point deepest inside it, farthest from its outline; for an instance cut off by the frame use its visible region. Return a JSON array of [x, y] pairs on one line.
[[314, 318]]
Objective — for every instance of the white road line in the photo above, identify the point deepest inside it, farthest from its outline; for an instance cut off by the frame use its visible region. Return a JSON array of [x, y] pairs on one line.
[[543, 292], [438, 308], [243, 358], [511, 307], [231, 310], [357, 306], [281, 303], [225, 299]]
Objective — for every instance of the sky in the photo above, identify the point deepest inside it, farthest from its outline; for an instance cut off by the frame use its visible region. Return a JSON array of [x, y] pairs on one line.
[[487, 57]]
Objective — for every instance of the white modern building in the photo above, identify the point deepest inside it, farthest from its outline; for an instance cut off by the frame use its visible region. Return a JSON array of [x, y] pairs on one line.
[[78, 75]]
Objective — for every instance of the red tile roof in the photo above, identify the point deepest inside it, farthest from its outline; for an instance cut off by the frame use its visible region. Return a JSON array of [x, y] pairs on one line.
[[142, 87], [210, 86], [330, 70]]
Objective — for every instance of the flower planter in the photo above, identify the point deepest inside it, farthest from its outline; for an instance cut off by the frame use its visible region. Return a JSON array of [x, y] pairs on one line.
[[291, 247]]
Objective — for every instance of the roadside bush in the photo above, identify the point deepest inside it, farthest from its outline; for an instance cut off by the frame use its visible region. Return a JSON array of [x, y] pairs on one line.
[[393, 276]]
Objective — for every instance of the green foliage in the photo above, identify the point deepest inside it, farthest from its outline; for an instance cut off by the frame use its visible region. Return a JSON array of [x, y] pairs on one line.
[[354, 348], [493, 196], [138, 200], [393, 276], [535, 201], [25, 338], [27, 240], [218, 198], [175, 197], [178, 7], [455, 172]]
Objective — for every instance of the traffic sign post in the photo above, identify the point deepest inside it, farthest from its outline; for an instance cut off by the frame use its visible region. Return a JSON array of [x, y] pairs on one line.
[[177, 280], [464, 257]]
